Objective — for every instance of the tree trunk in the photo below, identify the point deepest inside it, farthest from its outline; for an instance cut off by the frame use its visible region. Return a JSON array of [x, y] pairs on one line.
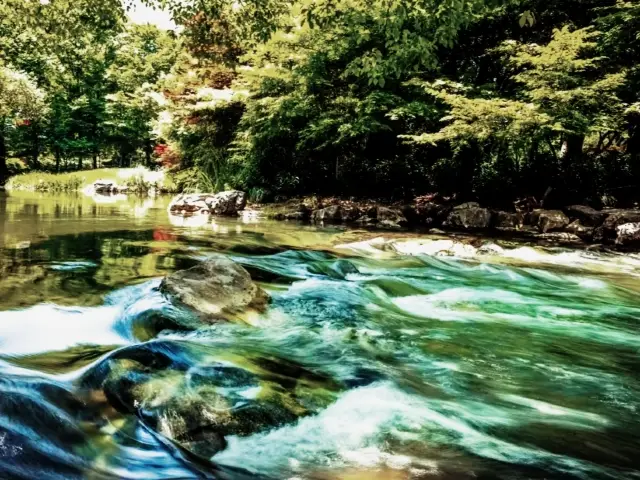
[[36, 146], [95, 159], [80, 163]]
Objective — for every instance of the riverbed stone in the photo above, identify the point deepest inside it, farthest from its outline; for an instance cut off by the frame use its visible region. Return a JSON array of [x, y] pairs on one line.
[[549, 220], [105, 187], [217, 288], [589, 217], [607, 232], [469, 217], [331, 214], [577, 228], [431, 214], [628, 234], [350, 213], [198, 396], [508, 220], [560, 237], [228, 203], [391, 218]]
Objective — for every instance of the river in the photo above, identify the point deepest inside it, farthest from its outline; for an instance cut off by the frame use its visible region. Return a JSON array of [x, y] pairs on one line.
[[507, 362]]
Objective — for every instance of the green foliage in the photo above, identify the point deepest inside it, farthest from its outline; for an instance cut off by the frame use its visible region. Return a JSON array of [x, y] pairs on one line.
[[484, 98], [45, 182]]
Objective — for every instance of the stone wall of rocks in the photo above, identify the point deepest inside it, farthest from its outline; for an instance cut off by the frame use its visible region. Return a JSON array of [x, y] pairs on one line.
[[572, 224]]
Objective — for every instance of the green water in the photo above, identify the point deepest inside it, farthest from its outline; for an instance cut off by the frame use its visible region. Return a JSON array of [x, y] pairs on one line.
[[379, 358]]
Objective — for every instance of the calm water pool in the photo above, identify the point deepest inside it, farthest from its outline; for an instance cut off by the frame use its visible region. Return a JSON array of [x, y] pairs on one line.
[[389, 361]]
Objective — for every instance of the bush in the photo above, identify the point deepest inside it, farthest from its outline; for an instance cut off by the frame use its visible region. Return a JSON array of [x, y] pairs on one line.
[[16, 166]]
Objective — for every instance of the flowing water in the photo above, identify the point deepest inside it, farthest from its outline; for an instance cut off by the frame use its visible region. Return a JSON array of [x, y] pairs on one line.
[[383, 359]]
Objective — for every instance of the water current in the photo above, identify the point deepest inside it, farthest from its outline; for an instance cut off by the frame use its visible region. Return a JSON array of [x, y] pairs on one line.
[[382, 355]]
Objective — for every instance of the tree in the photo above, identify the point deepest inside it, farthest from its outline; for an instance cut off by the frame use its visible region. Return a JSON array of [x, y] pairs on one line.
[[20, 101]]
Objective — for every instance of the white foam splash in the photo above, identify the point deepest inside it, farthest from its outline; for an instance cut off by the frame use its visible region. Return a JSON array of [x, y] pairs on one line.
[[350, 433], [51, 328]]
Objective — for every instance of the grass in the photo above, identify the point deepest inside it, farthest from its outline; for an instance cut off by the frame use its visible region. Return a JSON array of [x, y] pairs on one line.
[[138, 180]]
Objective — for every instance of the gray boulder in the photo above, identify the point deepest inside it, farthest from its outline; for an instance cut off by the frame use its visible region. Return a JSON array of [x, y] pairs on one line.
[[391, 218], [549, 220], [228, 203], [560, 237], [628, 234], [588, 216], [507, 220], [577, 228], [367, 221], [332, 214], [431, 214], [105, 187], [217, 288], [607, 232], [468, 217]]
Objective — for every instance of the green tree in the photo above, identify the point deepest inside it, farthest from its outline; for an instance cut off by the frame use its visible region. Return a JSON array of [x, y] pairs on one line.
[[20, 100]]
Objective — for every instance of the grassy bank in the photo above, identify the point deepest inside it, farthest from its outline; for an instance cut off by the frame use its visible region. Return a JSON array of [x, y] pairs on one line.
[[137, 180]]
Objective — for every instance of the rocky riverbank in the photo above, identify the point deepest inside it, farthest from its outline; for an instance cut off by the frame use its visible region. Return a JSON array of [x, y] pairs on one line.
[[573, 224]]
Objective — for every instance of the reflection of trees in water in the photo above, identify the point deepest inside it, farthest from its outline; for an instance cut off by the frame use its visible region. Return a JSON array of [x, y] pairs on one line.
[[79, 269]]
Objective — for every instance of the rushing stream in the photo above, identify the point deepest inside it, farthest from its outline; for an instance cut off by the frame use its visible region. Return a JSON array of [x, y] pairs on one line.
[[377, 359]]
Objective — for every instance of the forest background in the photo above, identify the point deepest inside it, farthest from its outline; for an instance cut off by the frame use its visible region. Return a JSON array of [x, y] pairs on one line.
[[488, 100]]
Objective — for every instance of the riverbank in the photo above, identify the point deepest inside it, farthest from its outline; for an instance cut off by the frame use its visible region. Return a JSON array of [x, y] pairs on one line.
[[569, 225], [104, 180]]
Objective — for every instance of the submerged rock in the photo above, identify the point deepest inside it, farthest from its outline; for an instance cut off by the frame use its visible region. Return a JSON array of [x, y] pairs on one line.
[[187, 394], [628, 234], [469, 216], [228, 203], [218, 288]]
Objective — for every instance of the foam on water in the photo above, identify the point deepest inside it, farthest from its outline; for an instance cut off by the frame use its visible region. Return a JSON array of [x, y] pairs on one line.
[[350, 433], [56, 328]]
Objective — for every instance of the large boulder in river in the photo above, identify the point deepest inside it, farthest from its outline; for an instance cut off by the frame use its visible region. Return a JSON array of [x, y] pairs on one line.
[[218, 288], [588, 216], [549, 220], [228, 203], [469, 216], [628, 234]]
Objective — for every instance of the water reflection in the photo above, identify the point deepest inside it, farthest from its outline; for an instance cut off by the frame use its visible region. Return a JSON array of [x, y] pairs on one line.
[[375, 360]]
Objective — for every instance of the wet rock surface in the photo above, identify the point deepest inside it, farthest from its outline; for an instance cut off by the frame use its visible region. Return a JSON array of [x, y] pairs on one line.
[[628, 234], [198, 397], [526, 220], [229, 203], [217, 288], [469, 216]]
